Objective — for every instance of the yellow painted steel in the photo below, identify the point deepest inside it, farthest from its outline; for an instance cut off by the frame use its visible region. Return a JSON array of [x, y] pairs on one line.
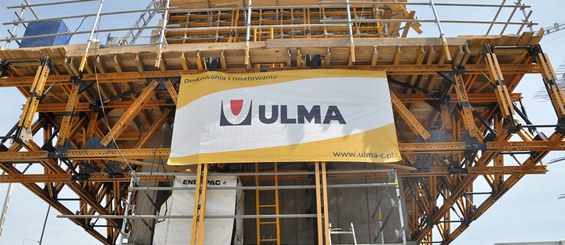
[[196, 205], [410, 119], [129, 115], [36, 91], [202, 211], [70, 110], [259, 206]]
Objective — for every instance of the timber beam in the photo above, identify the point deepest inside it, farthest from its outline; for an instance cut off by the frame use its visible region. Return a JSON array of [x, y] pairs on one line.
[[390, 69]]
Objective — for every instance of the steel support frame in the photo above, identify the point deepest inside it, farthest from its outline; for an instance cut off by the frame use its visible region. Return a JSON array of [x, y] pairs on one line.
[[456, 192], [102, 193]]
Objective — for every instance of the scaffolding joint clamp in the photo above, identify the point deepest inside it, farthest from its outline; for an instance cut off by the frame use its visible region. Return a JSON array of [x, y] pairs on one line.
[[80, 177], [58, 153]]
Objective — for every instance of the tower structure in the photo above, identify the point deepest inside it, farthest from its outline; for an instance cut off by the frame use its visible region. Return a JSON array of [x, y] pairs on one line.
[[97, 120]]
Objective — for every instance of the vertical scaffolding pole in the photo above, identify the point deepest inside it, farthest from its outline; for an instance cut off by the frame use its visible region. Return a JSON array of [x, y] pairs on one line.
[[441, 33], [162, 35], [248, 35], [349, 25], [20, 15], [96, 20], [126, 211], [5, 208], [401, 214], [44, 225]]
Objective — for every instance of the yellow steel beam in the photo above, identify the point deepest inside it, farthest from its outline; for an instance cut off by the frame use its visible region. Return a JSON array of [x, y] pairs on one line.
[[40, 192], [410, 119], [172, 91], [75, 187], [482, 170], [549, 78], [150, 153], [497, 79], [466, 108], [92, 124], [318, 204], [510, 181], [196, 206], [64, 130], [405, 98], [82, 106], [66, 178], [130, 114], [157, 124], [37, 86], [202, 209]]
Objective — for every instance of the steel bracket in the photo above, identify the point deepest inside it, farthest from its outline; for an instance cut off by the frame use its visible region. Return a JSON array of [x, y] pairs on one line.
[[80, 177], [450, 76], [4, 68]]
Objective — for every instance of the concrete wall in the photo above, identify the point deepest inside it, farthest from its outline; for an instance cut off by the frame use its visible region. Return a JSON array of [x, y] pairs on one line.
[[148, 202], [359, 206]]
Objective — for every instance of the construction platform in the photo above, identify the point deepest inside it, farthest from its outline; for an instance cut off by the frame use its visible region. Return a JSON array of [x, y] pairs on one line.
[[106, 113]]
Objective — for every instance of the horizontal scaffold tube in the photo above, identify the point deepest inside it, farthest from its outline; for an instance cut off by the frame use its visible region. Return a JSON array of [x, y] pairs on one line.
[[148, 216]]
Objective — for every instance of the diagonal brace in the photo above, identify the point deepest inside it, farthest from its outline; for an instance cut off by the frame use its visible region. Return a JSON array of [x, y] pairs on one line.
[[130, 114], [408, 117]]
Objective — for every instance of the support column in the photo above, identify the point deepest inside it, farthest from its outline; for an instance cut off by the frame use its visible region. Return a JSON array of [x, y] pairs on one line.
[[501, 91], [197, 232], [23, 132], [69, 113]]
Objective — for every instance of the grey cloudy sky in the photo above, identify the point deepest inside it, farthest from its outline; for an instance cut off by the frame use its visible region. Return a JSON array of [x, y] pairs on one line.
[[528, 212]]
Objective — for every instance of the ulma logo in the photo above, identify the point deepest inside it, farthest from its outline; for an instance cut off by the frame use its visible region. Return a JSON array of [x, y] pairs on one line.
[[231, 113]]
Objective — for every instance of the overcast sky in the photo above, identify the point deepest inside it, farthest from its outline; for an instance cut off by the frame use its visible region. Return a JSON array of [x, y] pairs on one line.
[[528, 212]]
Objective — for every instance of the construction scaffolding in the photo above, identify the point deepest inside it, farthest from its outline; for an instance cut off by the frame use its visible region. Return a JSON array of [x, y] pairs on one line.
[[98, 118]]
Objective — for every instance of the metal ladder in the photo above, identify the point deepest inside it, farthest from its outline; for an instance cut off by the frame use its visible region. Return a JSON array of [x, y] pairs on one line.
[[142, 21], [260, 208], [258, 34], [340, 231]]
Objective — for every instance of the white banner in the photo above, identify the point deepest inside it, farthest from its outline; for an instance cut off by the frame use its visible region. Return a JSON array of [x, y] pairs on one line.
[[289, 116]]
